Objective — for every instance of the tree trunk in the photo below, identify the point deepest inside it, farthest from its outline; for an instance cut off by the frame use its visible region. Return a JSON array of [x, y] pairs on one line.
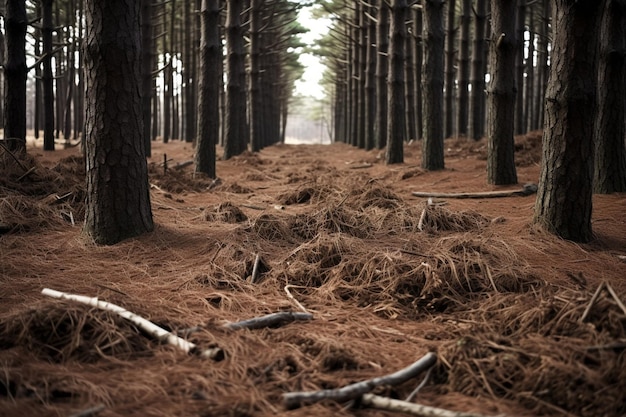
[[395, 128], [189, 74], [409, 90], [235, 140], [209, 94], [449, 68], [118, 200], [47, 27], [362, 67], [147, 53], [257, 130], [432, 84], [501, 97], [610, 166], [464, 69], [382, 70], [370, 83], [564, 201], [477, 75], [15, 72], [418, 53], [519, 63]]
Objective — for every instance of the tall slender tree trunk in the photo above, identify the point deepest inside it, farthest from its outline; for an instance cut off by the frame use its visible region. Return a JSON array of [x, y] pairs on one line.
[[47, 27], [189, 74], [409, 90], [477, 74], [432, 84], [362, 67], [235, 140], [396, 112], [609, 135], [15, 73], [118, 198], [370, 83], [464, 70], [530, 75], [257, 131], [449, 68], [501, 98], [519, 63], [382, 70], [564, 203], [417, 34], [209, 94]]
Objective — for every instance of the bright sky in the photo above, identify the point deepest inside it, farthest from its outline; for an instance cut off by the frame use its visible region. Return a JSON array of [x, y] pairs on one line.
[[308, 85]]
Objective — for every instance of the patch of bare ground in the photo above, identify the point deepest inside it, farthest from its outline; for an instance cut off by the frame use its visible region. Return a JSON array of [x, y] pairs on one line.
[[508, 309]]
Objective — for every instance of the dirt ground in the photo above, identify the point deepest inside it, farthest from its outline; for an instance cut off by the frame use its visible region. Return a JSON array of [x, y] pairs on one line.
[[507, 308]]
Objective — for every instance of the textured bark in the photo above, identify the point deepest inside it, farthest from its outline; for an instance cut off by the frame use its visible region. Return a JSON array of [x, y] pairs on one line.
[[47, 78], [235, 124], [610, 166], [418, 53], [449, 70], [432, 84], [370, 83], [564, 202], [382, 70], [477, 74], [15, 72], [256, 102], [362, 67], [209, 91], [189, 75], [464, 69], [146, 72], [501, 94], [519, 65], [118, 199], [395, 128], [409, 90]]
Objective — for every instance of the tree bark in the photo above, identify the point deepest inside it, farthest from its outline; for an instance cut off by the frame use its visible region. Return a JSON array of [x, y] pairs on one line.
[[15, 72], [118, 199], [449, 70], [519, 64], [610, 161], [464, 69], [477, 75], [47, 27], [501, 94], [382, 71], [564, 201], [432, 84], [209, 92], [370, 83], [257, 139], [418, 53], [395, 128], [147, 54]]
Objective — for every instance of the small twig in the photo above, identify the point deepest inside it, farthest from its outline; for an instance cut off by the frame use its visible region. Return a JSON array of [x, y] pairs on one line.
[[491, 278], [182, 165], [111, 289], [270, 320], [255, 269], [420, 224], [615, 297], [26, 174], [362, 166], [15, 158], [89, 412], [292, 298], [356, 390], [413, 393], [252, 207], [384, 403], [608, 346], [591, 303]]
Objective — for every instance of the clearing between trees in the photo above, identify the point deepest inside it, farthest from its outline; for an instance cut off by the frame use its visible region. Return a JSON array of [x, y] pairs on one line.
[[521, 322]]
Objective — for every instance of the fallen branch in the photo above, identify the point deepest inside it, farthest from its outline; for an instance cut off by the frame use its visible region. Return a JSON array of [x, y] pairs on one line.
[[182, 165], [255, 269], [389, 404], [528, 189], [615, 297], [292, 298], [147, 326], [270, 320], [356, 390], [591, 302], [89, 412]]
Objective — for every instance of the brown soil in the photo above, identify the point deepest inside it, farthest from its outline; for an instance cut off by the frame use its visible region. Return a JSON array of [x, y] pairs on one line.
[[497, 299]]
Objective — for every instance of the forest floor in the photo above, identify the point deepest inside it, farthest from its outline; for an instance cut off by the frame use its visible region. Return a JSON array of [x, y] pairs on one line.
[[508, 309]]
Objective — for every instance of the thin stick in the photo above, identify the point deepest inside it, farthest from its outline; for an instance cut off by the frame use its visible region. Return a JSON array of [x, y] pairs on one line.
[[591, 303], [269, 320], [491, 279], [420, 224], [26, 174], [292, 298], [91, 411], [384, 403], [528, 189], [356, 390], [255, 269], [147, 326], [419, 387], [615, 297]]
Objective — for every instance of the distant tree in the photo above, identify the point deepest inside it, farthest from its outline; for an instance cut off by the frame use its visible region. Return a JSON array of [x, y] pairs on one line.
[[382, 70], [477, 73], [432, 84], [118, 199], [147, 55], [501, 94], [209, 93], [564, 202], [370, 81], [235, 124], [450, 64], [464, 69], [396, 112], [15, 74], [610, 166]]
